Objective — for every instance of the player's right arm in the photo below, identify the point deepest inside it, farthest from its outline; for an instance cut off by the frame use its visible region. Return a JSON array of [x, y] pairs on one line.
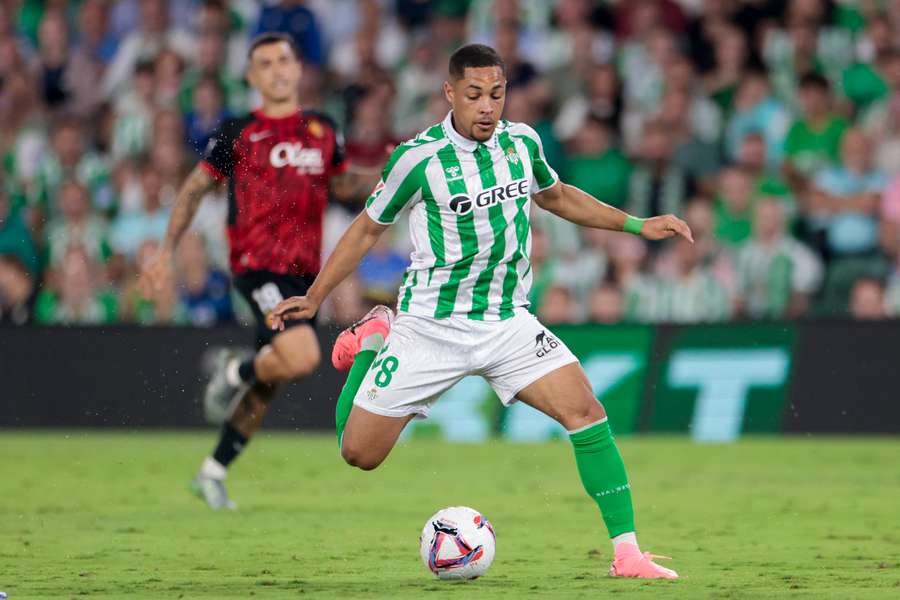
[[217, 164], [159, 270], [350, 250]]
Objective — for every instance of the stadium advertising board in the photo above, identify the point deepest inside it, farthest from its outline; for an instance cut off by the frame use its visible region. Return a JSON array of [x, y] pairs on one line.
[[719, 381], [713, 382]]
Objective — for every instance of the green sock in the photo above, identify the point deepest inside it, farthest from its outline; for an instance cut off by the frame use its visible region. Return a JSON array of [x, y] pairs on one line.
[[361, 363], [603, 475]]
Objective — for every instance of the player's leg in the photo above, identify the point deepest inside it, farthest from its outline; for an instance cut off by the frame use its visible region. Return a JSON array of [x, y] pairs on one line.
[[365, 438], [293, 354], [565, 395], [395, 373], [233, 438], [280, 357], [529, 363], [240, 392], [369, 438], [355, 349]]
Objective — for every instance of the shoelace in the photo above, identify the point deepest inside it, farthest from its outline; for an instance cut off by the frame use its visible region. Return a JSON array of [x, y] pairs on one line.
[[650, 556], [365, 319]]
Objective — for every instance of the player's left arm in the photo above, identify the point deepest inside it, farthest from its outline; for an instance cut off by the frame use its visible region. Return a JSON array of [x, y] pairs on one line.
[[353, 182], [579, 207], [347, 181]]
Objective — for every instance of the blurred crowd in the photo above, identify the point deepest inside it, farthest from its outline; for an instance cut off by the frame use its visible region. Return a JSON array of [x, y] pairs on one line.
[[772, 126]]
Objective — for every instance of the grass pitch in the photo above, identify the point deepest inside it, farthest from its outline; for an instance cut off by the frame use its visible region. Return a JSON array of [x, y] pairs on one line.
[[107, 515]]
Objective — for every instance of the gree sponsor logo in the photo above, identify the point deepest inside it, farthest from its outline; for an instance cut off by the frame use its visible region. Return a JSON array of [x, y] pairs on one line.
[[462, 204]]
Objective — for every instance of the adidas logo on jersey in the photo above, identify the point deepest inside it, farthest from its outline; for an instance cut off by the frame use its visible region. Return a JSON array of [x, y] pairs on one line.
[[305, 160], [461, 204]]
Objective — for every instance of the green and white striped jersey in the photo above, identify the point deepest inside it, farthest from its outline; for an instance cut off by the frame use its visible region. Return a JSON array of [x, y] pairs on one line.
[[469, 206]]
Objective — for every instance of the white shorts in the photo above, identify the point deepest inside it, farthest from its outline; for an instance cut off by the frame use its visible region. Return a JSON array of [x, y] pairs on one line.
[[424, 357]]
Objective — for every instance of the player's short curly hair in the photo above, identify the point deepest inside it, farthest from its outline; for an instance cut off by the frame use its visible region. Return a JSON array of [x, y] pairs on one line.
[[474, 55]]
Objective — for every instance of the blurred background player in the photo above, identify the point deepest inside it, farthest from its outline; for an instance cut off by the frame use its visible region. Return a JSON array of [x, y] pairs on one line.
[[278, 162]]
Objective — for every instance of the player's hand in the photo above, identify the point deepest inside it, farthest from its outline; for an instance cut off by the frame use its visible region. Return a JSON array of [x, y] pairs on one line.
[[664, 227], [156, 273], [296, 307]]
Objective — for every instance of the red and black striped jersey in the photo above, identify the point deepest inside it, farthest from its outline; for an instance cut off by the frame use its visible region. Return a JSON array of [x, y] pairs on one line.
[[278, 171]]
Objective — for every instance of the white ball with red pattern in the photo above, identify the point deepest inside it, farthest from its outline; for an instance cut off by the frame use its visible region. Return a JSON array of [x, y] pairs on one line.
[[458, 543]]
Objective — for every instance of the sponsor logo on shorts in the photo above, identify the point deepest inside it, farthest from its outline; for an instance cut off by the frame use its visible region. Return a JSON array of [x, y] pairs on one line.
[[545, 344]]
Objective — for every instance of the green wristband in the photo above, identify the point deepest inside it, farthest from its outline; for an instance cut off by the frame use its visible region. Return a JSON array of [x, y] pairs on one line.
[[633, 225]]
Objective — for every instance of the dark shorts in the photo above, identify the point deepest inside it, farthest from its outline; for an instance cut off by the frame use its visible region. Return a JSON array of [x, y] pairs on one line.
[[264, 290]]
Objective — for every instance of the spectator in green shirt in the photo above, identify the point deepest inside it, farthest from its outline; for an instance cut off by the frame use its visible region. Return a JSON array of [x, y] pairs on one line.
[[76, 297], [813, 141], [597, 166], [209, 62], [777, 275], [15, 238], [690, 294], [658, 185], [752, 158], [733, 207], [70, 158], [864, 82], [76, 225]]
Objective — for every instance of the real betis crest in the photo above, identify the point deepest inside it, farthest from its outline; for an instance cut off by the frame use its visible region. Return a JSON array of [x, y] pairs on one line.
[[511, 156]]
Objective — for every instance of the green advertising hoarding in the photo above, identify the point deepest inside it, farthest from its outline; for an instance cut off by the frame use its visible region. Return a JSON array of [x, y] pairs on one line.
[[712, 381], [720, 381]]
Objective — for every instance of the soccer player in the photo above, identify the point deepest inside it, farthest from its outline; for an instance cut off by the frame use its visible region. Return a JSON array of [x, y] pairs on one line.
[[468, 183], [278, 162]]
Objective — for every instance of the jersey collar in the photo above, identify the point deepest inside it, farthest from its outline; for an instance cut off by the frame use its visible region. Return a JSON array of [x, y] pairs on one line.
[[465, 143], [259, 114]]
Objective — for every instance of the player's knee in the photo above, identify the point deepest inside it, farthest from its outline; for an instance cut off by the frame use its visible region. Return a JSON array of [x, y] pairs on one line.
[[301, 366], [584, 413], [357, 457]]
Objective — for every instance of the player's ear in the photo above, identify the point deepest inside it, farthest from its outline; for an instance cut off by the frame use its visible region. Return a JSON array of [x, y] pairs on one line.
[[448, 92]]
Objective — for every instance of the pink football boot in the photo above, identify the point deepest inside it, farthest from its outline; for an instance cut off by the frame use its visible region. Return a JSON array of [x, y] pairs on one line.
[[630, 562], [347, 344]]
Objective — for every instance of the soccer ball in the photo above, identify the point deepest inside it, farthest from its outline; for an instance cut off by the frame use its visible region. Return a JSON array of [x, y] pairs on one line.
[[457, 543]]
